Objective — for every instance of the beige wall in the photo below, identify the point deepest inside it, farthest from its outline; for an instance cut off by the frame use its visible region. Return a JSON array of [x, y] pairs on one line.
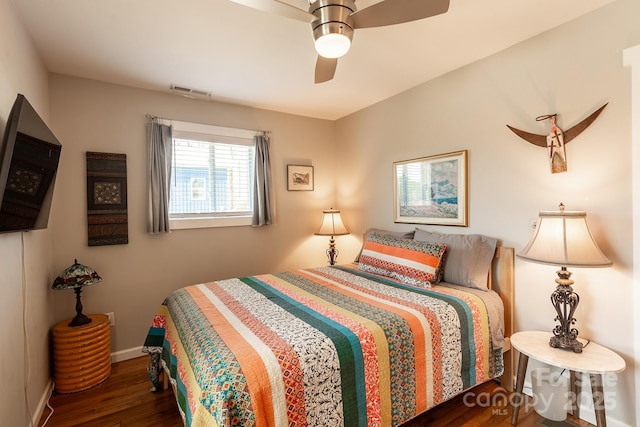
[[92, 116], [572, 71], [25, 258]]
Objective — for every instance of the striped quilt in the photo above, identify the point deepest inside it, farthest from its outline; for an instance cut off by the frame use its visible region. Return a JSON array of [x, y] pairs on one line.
[[330, 346]]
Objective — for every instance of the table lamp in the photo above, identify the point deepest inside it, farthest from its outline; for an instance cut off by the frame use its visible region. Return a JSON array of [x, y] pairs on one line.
[[563, 238], [332, 225], [75, 277]]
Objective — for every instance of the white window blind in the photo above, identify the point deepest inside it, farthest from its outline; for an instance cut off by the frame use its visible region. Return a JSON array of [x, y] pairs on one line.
[[212, 172]]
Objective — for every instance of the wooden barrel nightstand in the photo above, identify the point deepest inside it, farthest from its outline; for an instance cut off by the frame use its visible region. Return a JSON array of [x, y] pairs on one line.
[[81, 354]]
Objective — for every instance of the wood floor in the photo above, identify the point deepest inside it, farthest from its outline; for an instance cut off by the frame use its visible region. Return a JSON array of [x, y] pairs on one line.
[[124, 399]]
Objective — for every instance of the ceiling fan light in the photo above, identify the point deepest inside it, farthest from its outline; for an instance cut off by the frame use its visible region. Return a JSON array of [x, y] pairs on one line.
[[333, 45]]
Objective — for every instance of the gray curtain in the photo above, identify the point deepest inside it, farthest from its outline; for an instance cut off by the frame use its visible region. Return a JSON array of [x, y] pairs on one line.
[[262, 184], [159, 149]]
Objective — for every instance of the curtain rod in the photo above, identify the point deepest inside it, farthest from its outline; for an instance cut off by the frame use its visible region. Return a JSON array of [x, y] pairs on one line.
[[152, 118]]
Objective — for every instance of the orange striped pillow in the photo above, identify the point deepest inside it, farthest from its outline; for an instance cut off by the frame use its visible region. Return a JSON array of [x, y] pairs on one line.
[[408, 261]]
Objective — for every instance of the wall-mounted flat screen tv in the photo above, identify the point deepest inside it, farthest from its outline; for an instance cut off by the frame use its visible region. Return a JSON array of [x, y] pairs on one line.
[[28, 164]]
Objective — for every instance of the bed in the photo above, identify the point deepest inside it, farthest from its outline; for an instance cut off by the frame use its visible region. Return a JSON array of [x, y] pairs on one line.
[[372, 343]]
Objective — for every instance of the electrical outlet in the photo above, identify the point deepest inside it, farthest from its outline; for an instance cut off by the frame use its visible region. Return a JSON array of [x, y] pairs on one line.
[[112, 319]]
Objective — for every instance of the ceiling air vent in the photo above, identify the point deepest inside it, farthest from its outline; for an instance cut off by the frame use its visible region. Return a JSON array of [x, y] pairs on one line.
[[190, 92]]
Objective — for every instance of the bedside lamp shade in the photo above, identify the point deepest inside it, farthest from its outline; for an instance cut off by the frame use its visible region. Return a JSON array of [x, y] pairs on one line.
[[563, 239], [332, 225], [75, 277]]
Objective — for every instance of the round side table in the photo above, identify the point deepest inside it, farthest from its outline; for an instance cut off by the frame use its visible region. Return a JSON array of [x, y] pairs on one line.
[[594, 360], [81, 354]]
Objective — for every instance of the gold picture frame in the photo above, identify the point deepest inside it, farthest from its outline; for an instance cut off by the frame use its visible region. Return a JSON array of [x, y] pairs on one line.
[[299, 178], [432, 190]]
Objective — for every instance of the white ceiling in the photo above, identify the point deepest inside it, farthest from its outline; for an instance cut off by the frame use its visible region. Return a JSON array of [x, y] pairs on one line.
[[254, 58]]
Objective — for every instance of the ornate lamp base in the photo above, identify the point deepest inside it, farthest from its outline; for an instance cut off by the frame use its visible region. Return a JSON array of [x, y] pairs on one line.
[[332, 252], [566, 343], [565, 301]]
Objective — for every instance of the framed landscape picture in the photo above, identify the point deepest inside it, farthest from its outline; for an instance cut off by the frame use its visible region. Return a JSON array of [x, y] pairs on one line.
[[431, 190], [299, 178]]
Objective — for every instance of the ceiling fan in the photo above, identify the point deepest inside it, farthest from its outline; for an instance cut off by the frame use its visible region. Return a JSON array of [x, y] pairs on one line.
[[333, 22]]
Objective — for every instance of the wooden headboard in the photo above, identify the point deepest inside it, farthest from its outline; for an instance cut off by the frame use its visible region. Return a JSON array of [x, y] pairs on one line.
[[501, 280]]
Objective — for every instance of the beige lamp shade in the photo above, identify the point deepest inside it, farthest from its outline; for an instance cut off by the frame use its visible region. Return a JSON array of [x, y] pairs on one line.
[[332, 224], [563, 238]]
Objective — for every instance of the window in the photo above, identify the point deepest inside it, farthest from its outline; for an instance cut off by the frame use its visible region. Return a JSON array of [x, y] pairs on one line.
[[212, 176]]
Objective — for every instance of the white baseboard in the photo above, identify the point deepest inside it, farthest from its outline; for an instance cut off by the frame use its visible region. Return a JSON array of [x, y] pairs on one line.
[[130, 353], [42, 404]]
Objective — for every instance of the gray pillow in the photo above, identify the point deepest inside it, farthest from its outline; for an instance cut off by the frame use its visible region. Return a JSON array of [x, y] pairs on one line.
[[398, 234], [468, 257]]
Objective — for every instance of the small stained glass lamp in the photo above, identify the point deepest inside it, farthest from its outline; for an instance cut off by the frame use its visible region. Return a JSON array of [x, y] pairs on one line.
[[75, 277], [563, 239], [332, 225]]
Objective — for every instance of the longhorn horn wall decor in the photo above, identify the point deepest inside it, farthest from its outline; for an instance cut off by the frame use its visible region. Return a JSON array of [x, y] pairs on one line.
[[557, 139]]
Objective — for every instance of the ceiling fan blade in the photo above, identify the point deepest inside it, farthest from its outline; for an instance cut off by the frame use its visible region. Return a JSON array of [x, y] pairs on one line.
[[391, 12], [278, 8], [325, 69]]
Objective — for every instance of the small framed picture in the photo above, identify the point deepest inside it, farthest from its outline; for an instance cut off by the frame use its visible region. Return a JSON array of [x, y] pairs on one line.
[[432, 190], [299, 178]]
